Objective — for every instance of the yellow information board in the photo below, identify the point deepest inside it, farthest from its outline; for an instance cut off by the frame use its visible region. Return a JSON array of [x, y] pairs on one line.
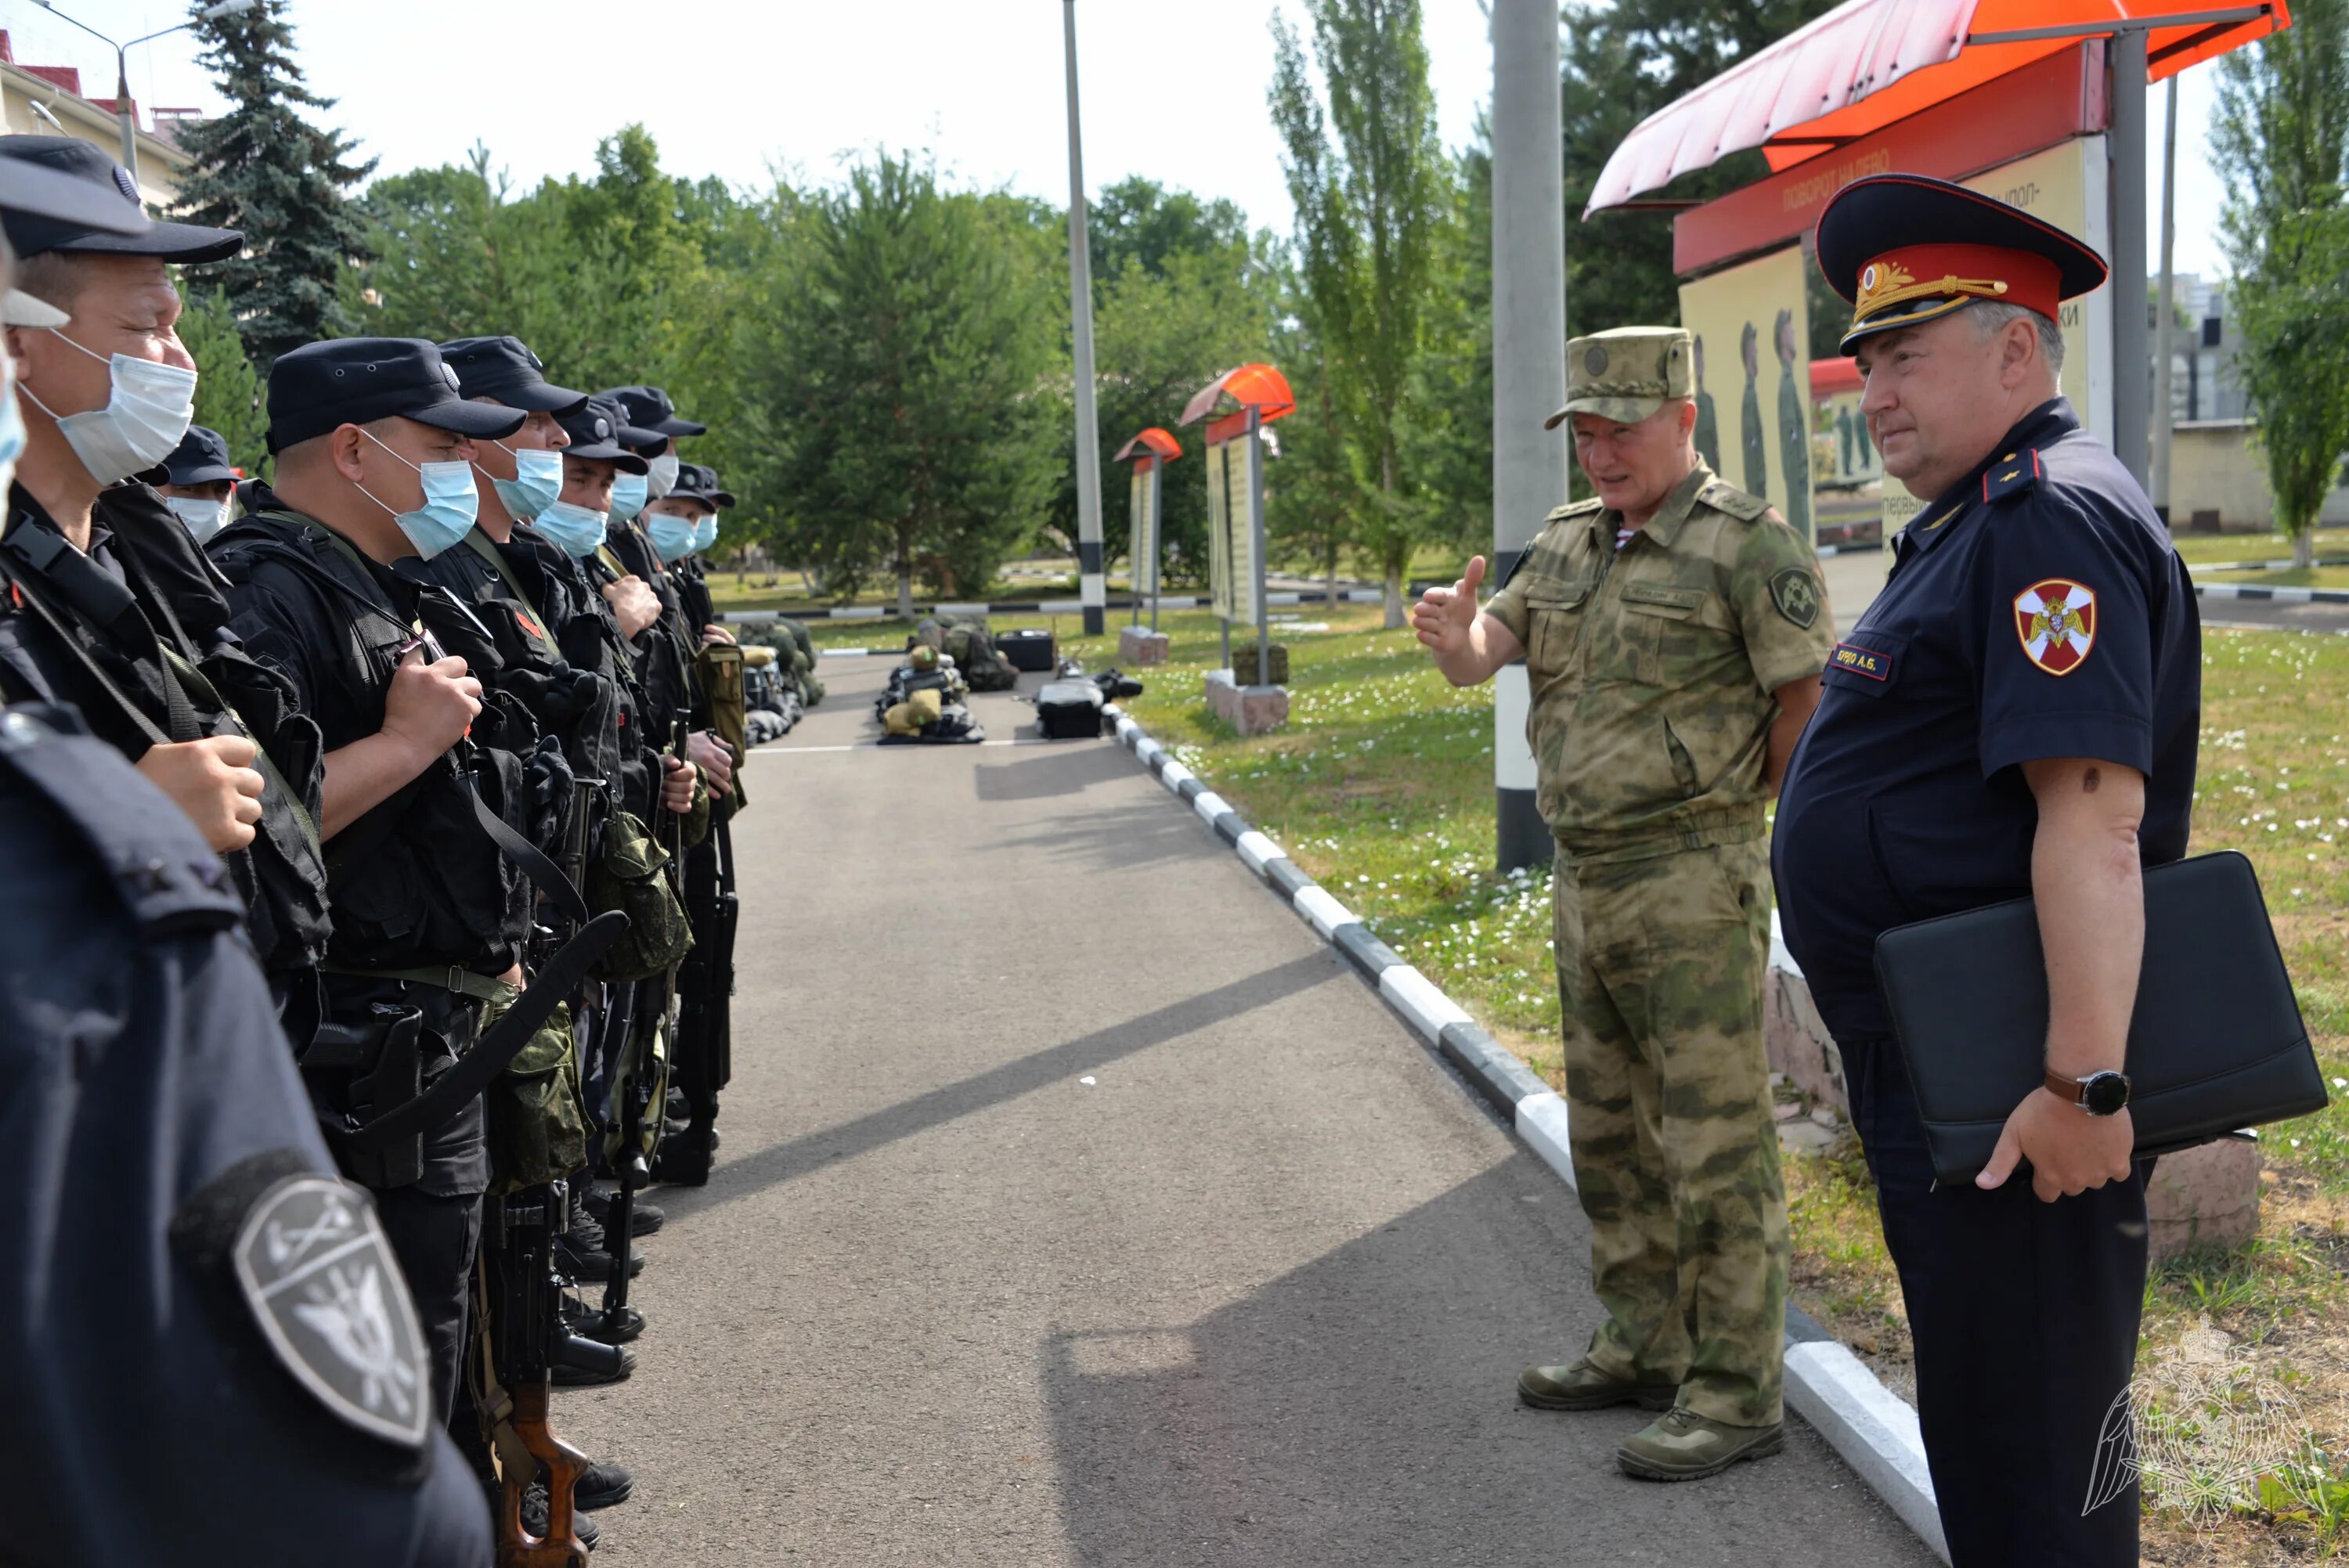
[[1751, 325], [1142, 548], [1231, 529]]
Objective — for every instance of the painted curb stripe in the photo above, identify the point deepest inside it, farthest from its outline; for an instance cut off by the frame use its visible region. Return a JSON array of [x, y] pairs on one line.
[[1257, 850], [1314, 903], [2272, 595], [1489, 1068], [1874, 1431], [1370, 955], [1541, 1121], [1282, 873], [1415, 997]]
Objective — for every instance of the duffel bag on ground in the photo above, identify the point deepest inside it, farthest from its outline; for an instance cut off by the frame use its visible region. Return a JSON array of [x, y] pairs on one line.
[[1068, 710]]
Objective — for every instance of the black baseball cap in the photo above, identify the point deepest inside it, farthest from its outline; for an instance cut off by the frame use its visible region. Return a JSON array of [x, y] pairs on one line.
[[648, 408], [504, 368], [201, 457], [595, 430], [698, 481], [125, 231], [319, 387]]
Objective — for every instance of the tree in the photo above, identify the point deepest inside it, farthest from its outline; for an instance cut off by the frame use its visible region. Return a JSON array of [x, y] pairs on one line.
[[228, 390], [265, 170], [900, 367], [1368, 205], [1620, 65], [2281, 139]]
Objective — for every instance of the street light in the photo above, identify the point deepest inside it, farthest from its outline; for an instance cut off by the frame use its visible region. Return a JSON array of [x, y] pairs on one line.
[[122, 65]]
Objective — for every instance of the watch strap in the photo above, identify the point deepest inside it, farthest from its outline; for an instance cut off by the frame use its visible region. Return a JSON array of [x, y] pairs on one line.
[[2064, 1087]]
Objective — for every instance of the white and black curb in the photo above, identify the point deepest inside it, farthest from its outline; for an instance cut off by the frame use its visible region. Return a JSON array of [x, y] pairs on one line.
[[2272, 595], [1874, 1431]]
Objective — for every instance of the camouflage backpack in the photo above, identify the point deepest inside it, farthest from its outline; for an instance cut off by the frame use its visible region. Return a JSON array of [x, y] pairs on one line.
[[627, 874], [537, 1118], [974, 653]]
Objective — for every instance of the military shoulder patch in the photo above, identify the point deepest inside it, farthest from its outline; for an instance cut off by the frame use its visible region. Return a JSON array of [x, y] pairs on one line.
[[1796, 594], [2014, 474], [318, 1275], [1722, 496], [2056, 621]]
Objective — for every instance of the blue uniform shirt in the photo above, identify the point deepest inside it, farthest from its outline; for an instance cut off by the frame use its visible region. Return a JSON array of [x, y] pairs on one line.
[[160, 1411], [2035, 610]]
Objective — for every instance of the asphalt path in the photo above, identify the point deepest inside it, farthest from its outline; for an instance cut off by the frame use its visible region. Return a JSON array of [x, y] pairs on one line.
[[1078, 1206]]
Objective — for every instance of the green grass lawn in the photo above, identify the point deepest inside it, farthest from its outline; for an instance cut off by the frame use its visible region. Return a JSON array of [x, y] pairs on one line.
[[2284, 577], [1381, 788], [2197, 548]]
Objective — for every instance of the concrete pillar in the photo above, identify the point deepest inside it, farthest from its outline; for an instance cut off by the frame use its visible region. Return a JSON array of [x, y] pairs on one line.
[[1529, 361]]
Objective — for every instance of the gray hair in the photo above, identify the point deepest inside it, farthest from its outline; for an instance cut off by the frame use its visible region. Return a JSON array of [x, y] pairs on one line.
[[1990, 316]]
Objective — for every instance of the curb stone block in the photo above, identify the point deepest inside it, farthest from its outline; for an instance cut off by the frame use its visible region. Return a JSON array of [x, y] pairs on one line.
[[1257, 850], [1325, 913], [1206, 805], [1497, 1073], [1282, 873], [1875, 1431], [1231, 829], [1541, 1120], [1370, 955], [1414, 996]]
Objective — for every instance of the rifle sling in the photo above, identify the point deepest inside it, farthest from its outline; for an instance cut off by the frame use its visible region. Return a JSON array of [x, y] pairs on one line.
[[495, 1050]]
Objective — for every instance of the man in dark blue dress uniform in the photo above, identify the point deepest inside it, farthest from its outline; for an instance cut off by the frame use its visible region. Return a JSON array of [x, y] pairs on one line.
[[2015, 715]]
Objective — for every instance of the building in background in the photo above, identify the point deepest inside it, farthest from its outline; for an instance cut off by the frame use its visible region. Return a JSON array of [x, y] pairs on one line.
[[47, 100]]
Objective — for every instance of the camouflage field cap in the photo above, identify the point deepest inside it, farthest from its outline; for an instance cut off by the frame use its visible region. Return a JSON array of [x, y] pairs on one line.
[[1626, 374]]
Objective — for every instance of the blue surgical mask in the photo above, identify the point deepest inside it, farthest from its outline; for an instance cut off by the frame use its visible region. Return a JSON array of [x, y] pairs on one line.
[[204, 518], [672, 536], [629, 495], [707, 535], [12, 425], [576, 530], [450, 504], [538, 480]]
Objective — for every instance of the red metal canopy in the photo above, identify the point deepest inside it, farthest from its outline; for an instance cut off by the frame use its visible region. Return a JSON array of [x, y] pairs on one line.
[[1153, 442], [1257, 386], [1868, 63]]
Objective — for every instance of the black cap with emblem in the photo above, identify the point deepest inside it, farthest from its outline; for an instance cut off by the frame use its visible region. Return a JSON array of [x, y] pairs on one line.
[[321, 387], [201, 457], [119, 228], [648, 408], [504, 368], [595, 431]]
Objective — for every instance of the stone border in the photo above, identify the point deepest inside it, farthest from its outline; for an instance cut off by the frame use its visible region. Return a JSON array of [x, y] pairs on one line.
[[1874, 1431], [2274, 595]]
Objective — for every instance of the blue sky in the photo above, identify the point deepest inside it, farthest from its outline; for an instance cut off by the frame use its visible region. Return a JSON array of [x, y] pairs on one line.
[[1173, 92]]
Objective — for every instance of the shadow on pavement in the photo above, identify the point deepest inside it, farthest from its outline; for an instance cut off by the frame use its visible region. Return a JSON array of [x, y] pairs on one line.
[[781, 1162], [1067, 768], [1361, 1410], [1119, 838]]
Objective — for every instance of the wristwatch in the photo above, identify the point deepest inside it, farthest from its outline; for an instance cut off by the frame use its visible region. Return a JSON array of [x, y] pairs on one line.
[[2098, 1094]]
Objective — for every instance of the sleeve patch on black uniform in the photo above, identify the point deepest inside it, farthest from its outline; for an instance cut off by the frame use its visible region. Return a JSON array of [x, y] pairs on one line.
[[1796, 594], [316, 1273]]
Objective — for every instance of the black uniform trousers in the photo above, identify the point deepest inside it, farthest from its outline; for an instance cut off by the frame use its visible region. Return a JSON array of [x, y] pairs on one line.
[[695, 1069], [2024, 1315]]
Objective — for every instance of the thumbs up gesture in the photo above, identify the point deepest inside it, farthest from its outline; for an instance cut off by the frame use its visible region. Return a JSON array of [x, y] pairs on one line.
[[1443, 616]]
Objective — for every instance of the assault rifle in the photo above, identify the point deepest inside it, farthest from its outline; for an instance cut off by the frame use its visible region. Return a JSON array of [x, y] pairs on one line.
[[520, 1259]]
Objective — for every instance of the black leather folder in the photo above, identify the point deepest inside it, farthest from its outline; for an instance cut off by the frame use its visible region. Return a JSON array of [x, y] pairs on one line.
[[2216, 1043]]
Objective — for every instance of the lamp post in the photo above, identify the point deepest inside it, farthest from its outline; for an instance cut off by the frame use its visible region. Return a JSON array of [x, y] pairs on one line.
[[122, 65], [1091, 584]]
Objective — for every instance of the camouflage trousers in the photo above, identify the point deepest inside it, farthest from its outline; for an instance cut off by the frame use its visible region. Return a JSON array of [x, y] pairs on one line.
[[1660, 964]]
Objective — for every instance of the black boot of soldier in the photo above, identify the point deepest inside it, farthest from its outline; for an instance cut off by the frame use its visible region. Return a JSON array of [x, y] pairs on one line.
[[534, 1515], [684, 1158]]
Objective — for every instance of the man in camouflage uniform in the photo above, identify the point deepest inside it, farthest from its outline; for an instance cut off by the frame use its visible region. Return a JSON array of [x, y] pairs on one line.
[[1673, 629]]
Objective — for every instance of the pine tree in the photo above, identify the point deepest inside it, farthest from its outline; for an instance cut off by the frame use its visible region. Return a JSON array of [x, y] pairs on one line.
[[228, 391], [262, 168]]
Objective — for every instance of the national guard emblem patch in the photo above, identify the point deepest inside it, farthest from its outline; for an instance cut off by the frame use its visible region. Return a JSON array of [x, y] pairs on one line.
[[318, 1275], [2056, 620], [1796, 594]]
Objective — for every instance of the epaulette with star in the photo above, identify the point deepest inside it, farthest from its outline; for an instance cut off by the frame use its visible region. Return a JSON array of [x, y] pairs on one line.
[[1572, 509], [1722, 496], [2016, 473]]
